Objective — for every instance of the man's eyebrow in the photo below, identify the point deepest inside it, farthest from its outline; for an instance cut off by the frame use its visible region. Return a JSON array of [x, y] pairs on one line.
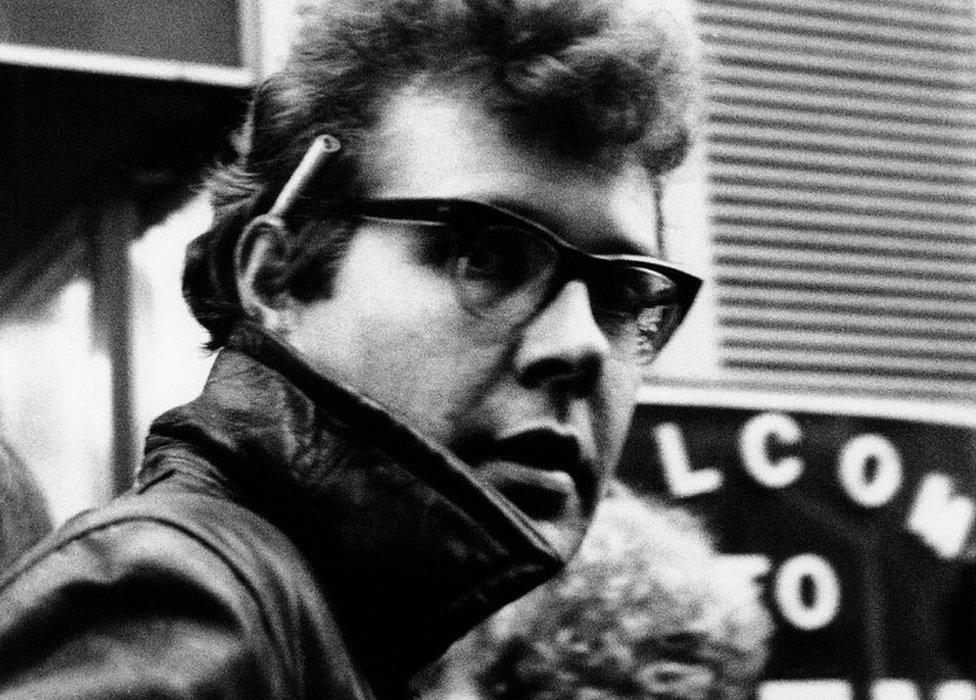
[[613, 245], [669, 156]]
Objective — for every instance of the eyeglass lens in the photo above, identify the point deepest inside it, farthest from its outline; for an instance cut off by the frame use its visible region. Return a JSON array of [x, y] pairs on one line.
[[508, 273]]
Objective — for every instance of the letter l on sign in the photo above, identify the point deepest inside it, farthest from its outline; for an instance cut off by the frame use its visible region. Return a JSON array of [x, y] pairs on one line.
[[682, 481]]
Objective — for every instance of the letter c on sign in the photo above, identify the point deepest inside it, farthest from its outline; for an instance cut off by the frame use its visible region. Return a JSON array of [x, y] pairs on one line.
[[754, 447], [817, 610]]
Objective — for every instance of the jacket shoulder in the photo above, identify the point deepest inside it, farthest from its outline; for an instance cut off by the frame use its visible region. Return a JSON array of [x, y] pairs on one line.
[[168, 593]]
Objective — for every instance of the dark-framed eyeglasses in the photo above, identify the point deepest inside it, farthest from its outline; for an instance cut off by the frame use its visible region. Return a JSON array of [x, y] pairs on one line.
[[507, 267]]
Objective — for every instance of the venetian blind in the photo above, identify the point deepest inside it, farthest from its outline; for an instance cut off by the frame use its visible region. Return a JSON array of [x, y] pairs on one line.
[[842, 172]]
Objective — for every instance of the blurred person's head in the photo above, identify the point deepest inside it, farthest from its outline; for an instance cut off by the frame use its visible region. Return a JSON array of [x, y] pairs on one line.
[[424, 261], [647, 608], [24, 516]]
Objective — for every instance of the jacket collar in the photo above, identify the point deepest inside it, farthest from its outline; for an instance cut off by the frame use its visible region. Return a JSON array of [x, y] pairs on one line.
[[410, 547]]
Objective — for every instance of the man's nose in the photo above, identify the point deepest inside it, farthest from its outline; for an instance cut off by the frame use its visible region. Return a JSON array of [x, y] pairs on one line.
[[562, 346]]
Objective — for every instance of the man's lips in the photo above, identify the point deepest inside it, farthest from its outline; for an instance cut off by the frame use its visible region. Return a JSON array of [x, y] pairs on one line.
[[540, 494], [542, 471]]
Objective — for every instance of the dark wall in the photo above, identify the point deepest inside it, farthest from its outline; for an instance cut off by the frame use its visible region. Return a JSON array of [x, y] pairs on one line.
[[69, 139]]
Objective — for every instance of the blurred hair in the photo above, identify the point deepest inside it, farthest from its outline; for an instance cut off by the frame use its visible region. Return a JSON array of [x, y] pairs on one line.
[[646, 609], [588, 79], [24, 516]]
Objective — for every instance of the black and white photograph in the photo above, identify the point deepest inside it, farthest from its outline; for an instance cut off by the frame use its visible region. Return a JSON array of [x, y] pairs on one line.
[[488, 349]]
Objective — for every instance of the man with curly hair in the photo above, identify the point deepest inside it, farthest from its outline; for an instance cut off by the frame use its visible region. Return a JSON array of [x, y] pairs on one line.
[[435, 278]]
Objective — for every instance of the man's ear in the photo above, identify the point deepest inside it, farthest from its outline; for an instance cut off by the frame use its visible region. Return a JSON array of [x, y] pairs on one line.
[[260, 252]]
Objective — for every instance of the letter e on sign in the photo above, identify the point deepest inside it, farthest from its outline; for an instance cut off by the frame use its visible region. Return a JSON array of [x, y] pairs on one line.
[[754, 447], [856, 458]]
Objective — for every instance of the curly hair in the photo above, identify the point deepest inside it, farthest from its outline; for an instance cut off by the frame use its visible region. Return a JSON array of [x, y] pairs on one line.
[[645, 609], [586, 78]]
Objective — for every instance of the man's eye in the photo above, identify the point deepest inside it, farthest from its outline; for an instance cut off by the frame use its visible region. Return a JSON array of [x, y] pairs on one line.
[[494, 262], [496, 253], [485, 261], [436, 247], [622, 298], [635, 291]]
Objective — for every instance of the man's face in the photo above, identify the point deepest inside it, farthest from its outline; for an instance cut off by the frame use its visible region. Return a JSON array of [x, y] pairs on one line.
[[538, 410]]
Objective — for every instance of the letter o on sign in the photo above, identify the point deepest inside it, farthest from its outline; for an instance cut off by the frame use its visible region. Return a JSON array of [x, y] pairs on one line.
[[810, 574], [864, 489]]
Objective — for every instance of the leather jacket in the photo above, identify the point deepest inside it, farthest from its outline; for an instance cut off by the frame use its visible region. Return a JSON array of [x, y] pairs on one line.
[[285, 538]]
